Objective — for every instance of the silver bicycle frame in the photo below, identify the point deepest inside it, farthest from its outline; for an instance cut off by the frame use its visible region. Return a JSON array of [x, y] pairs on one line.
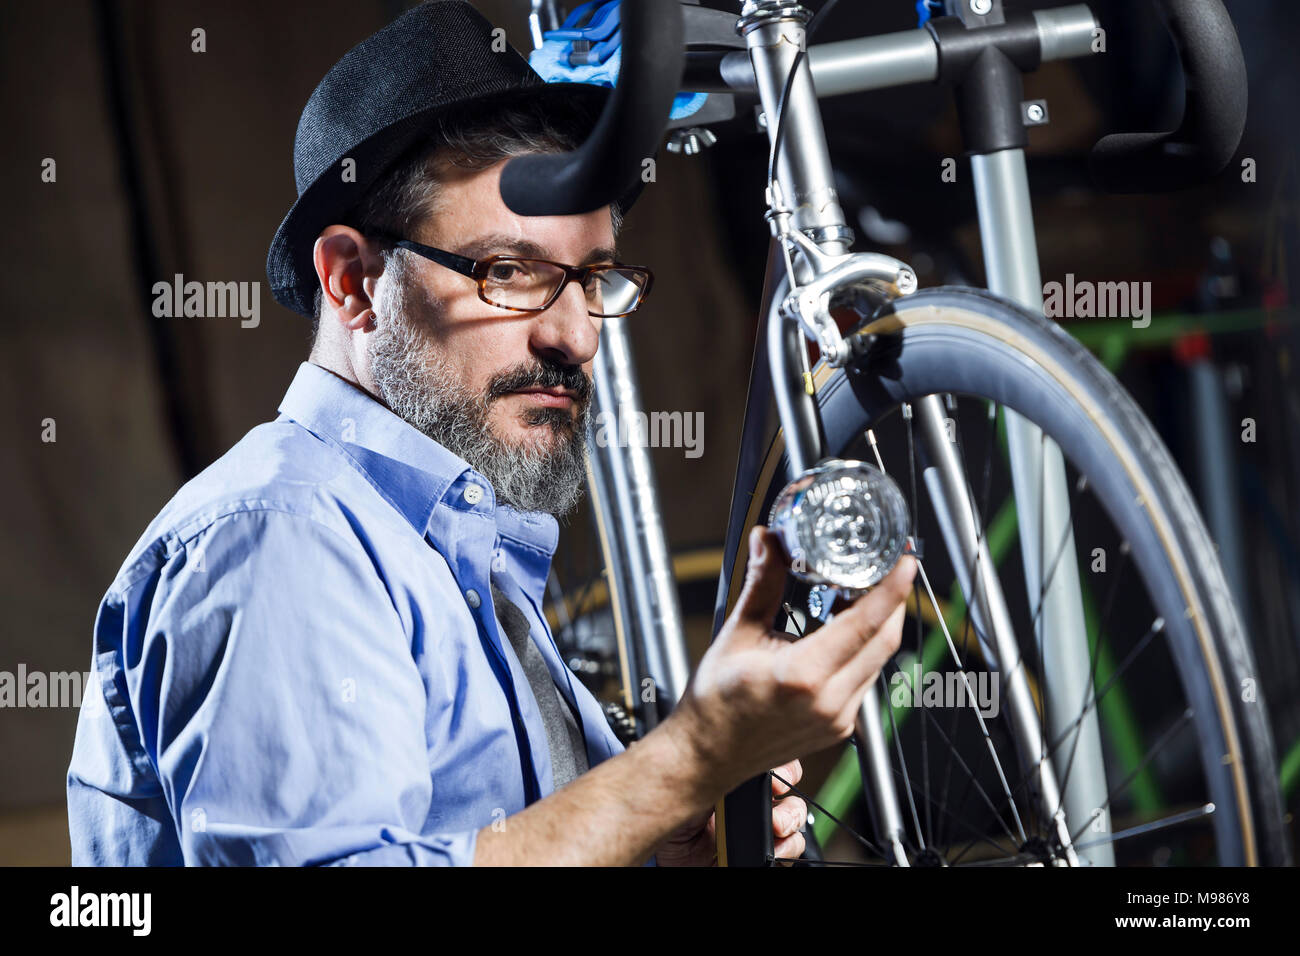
[[775, 33], [1007, 235], [623, 485], [648, 614]]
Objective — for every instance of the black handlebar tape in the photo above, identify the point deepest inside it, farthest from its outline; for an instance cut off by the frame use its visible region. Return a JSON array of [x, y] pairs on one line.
[[1214, 113], [629, 128]]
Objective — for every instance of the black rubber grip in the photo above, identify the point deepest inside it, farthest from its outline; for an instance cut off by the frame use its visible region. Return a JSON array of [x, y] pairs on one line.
[[629, 129], [1214, 113]]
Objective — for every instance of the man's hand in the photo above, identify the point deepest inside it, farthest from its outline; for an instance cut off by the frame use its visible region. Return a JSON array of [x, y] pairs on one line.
[[759, 699], [696, 843]]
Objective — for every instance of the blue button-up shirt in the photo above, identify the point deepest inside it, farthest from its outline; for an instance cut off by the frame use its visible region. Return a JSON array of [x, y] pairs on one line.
[[300, 662]]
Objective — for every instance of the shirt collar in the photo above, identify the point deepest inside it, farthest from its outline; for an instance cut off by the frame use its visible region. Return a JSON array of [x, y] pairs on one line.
[[411, 470]]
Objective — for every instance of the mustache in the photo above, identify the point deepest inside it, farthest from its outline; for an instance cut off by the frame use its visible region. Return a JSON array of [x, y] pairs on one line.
[[543, 374]]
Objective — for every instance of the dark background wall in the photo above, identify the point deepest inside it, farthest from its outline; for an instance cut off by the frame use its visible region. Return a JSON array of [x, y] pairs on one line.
[[171, 161]]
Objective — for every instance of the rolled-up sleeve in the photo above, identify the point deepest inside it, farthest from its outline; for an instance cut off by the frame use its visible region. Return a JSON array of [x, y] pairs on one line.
[[277, 697]]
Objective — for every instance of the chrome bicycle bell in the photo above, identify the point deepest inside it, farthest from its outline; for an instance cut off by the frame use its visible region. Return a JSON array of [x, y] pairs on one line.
[[844, 525]]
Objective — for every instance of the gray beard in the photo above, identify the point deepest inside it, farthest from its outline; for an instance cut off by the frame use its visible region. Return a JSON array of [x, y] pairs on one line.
[[420, 387]]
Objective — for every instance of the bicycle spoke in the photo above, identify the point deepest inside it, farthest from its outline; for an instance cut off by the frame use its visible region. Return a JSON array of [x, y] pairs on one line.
[[965, 794], [1156, 627], [916, 600], [1095, 659], [925, 713], [966, 824], [1079, 485], [1143, 828], [1146, 759], [902, 762], [970, 695], [966, 618], [838, 822], [898, 746], [1048, 575]]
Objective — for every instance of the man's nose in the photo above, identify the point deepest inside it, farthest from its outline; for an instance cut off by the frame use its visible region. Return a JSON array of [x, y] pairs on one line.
[[565, 332]]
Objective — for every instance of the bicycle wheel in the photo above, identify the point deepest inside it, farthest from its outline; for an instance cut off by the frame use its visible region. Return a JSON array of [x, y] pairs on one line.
[[1187, 760]]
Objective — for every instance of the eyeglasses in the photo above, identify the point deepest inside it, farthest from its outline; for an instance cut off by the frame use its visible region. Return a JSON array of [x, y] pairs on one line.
[[523, 284]]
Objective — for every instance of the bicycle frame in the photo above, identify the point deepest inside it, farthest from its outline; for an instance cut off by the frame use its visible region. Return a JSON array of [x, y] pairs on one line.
[[648, 617], [1002, 196], [647, 612]]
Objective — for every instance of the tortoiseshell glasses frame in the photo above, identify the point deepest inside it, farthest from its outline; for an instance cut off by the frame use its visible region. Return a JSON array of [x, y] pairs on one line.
[[530, 284]]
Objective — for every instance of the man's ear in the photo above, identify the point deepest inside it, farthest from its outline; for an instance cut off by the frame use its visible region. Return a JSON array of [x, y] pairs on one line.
[[344, 260]]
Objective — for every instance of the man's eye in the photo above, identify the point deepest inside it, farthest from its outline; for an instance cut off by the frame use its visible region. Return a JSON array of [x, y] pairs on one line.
[[506, 272]]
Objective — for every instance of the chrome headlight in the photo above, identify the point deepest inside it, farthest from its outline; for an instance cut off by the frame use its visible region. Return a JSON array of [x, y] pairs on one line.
[[844, 523]]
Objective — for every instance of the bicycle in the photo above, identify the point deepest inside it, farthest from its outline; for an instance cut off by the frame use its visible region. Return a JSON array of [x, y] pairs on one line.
[[936, 386]]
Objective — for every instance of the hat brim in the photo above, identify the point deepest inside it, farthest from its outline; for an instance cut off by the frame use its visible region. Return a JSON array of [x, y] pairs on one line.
[[328, 199]]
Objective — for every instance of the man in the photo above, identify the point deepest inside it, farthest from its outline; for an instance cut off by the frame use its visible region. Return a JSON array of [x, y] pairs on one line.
[[328, 648]]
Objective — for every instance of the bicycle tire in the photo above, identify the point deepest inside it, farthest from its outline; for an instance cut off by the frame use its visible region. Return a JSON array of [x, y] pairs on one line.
[[970, 342]]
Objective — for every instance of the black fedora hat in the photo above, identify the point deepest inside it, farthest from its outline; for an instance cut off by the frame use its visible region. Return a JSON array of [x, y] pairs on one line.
[[381, 99]]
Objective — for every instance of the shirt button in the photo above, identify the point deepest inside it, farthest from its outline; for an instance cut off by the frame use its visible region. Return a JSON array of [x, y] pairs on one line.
[[473, 493], [472, 597]]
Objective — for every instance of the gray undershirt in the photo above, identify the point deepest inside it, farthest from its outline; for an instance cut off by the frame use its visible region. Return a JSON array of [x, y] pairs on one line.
[[563, 735]]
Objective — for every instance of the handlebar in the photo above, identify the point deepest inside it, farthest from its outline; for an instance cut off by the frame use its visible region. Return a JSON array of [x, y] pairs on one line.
[[1214, 112], [629, 129], [634, 117]]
